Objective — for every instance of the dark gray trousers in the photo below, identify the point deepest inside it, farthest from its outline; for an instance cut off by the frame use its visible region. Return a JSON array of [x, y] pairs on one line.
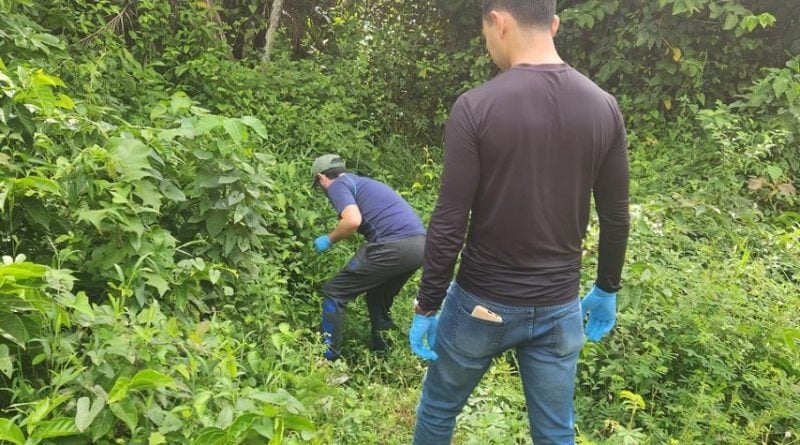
[[378, 269]]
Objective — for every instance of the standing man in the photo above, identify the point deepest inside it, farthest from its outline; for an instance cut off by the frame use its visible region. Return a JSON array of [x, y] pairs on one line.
[[524, 152], [393, 252]]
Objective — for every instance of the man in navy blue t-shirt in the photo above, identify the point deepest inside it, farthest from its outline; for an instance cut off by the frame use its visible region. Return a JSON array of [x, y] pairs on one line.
[[393, 251]]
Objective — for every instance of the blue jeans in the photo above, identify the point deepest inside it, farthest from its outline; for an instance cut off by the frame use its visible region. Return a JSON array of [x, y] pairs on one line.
[[547, 341]]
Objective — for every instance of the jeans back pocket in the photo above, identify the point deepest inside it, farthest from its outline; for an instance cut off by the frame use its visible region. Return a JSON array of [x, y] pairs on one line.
[[474, 337]]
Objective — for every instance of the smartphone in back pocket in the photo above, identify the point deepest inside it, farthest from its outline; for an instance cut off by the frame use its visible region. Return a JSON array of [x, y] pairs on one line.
[[482, 313]]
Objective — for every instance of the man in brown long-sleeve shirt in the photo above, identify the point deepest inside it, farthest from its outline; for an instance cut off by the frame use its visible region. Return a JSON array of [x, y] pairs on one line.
[[524, 153]]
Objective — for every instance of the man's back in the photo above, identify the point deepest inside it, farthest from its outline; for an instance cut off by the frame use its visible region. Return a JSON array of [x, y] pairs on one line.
[[386, 215], [528, 147]]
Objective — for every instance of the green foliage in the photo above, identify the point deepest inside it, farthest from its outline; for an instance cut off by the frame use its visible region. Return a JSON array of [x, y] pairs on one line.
[[692, 50]]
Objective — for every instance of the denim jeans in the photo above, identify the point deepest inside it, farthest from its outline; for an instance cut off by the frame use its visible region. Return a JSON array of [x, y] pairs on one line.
[[547, 341]]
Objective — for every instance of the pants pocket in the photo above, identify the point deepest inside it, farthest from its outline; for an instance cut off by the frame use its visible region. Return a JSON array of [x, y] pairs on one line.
[[470, 336], [358, 260], [566, 336]]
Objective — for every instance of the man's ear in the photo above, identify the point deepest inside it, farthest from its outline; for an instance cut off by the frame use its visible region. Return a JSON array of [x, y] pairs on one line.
[[494, 18], [554, 26], [499, 20]]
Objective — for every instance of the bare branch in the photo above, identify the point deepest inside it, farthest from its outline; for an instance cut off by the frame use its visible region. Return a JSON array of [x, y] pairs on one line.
[[115, 24], [274, 17]]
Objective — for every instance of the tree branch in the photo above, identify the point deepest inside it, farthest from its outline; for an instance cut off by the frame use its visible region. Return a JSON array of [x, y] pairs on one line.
[[274, 17]]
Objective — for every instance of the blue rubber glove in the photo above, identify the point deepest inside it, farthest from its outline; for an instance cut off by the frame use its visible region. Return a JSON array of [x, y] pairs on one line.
[[602, 309], [423, 326], [322, 243]]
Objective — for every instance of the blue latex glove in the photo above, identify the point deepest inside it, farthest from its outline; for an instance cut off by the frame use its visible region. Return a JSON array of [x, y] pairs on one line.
[[423, 326], [322, 243], [602, 309]]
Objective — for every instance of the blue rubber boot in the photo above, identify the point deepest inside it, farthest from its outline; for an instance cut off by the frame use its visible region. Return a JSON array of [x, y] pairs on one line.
[[332, 324]]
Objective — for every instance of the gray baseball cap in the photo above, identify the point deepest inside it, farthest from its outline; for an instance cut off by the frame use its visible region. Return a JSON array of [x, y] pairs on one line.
[[325, 163]]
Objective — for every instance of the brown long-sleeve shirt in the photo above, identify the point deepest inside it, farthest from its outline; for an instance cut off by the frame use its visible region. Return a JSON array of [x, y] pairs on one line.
[[523, 153]]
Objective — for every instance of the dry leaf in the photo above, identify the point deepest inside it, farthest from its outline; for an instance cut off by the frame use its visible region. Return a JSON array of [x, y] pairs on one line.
[[755, 183], [787, 189]]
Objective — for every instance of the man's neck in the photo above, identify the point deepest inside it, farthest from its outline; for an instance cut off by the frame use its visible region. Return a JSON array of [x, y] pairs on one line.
[[534, 49]]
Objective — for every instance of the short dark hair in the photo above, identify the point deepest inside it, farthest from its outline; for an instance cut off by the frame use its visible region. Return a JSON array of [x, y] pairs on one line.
[[333, 173], [532, 13]]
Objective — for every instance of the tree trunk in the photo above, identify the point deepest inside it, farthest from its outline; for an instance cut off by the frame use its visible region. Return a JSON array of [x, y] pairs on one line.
[[217, 19], [274, 17]]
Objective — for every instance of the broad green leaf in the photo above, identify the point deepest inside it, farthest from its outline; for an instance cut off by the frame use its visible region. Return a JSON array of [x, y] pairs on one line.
[[730, 22], [773, 171], [254, 123], [22, 271], [130, 157], [133, 225], [148, 193], [43, 408], [119, 391], [207, 124], [236, 129], [38, 184], [150, 379], [230, 242], [201, 399], [242, 425], [780, 85], [211, 436], [37, 212], [299, 423], [225, 417], [179, 102], [125, 411], [87, 412], [64, 101], [766, 19], [96, 217], [102, 425], [67, 375], [170, 424], [214, 275], [227, 179], [158, 282], [82, 417], [12, 328], [10, 432], [40, 78], [679, 7], [216, 221], [172, 192], [156, 439], [6, 365], [172, 133], [264, 427], [58, 427], [240, 212], [81, 305], [750, 23]]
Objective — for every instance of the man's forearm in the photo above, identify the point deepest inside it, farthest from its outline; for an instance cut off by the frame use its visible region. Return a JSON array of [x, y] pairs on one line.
[[343, 230], [611, 251], [348, 224]]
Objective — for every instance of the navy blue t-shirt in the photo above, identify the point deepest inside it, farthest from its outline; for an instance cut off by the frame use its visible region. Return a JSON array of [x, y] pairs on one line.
[[385, 215]]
